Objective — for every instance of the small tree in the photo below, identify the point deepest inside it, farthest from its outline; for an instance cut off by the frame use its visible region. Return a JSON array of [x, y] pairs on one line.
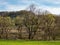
[[49, 25], [6, 24], [31, 22], [19, 23]]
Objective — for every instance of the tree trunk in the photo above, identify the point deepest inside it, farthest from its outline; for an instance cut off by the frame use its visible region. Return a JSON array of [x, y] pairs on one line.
[[20, 34], [30, 33]]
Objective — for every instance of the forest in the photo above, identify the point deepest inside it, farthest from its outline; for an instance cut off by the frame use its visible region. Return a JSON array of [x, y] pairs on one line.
[[30, 24]]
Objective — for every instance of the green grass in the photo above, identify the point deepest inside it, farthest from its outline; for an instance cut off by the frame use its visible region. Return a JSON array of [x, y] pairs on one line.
[[24, 42]]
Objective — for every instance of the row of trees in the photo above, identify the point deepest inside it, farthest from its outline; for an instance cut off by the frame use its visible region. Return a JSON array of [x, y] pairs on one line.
[[44, 22], [33, 23]]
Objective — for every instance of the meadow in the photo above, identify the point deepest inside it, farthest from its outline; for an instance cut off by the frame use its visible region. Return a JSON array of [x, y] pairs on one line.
[[27, 42]]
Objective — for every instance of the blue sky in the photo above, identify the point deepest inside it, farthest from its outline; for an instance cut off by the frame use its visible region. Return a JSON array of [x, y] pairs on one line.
[[15, 5]]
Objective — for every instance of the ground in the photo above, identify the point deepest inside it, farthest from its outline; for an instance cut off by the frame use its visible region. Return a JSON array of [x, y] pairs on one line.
[[24, 42]]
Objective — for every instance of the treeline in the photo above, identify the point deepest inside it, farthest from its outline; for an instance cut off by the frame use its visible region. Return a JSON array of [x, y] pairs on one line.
[[29, 25]]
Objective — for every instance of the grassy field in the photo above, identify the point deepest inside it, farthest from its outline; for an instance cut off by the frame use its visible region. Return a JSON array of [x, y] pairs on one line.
[[24, 42]]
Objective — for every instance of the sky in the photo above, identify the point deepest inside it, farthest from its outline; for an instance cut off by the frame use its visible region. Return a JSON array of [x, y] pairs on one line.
[[52, 6]]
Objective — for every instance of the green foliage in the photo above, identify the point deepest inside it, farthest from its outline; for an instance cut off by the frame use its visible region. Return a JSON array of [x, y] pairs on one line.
[[19, 20], [42, 26], [6, 22]]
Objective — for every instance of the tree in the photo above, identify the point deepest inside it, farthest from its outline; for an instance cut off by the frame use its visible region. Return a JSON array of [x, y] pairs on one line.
[[31, 22], [49, 25], [6, 24], [19, 23], [32, 8]]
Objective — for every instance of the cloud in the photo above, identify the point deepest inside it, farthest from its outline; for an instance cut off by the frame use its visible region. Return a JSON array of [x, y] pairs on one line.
[[3, 2], [20, 5], [53, 1], [46, 1], [53, 10], [14, 5], [10, 7]]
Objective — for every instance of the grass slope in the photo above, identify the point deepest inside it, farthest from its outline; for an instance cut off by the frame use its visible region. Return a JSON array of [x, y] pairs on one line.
[[23, 42]]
